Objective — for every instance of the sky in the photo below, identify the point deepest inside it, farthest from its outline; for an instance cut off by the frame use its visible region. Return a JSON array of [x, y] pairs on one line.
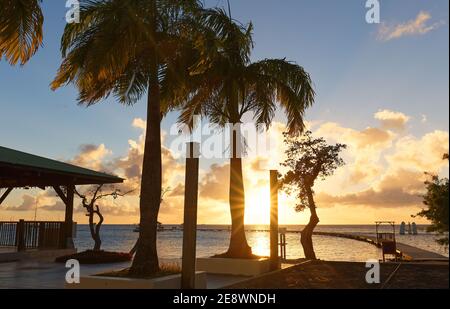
[[382, 89]]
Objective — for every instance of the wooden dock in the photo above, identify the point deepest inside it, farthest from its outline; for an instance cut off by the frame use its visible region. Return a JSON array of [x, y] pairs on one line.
[[406, 252], [416, 254]]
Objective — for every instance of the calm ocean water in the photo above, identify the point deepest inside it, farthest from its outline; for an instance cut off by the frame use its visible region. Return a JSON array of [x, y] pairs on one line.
[[215, 240]]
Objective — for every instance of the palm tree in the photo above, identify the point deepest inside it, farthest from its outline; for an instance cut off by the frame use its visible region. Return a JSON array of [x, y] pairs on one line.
[[230, 86], [128, 48], [20, 29]]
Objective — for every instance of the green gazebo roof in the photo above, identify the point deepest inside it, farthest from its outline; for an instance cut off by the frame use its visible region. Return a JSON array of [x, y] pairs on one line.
[[20, 169]]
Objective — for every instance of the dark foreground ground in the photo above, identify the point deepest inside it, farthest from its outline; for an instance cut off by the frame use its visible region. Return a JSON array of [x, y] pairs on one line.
[[349, 275]]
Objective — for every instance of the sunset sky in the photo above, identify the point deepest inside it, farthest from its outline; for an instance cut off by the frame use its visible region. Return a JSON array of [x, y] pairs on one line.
[[381, 89]]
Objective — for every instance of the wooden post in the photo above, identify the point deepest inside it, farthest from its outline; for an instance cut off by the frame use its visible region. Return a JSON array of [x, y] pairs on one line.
[[68, 221], [41, 237], [20, 235], [274, 260], [190, 216]]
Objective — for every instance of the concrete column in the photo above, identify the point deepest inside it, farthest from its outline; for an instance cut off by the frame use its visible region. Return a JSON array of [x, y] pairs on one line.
[[190, 216]]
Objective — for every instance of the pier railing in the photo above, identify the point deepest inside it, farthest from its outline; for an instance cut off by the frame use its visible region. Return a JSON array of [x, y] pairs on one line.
[[8, 234], [32, 235]]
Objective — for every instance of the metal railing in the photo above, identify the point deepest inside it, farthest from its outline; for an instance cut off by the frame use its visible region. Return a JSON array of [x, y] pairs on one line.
[[8, 234], [32, 235]]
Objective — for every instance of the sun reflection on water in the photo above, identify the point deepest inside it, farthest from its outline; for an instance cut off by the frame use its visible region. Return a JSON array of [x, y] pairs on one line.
[[260, 244]]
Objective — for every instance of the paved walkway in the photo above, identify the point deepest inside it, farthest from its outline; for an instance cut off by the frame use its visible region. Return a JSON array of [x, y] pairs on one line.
[[44, 275], [49, 275]]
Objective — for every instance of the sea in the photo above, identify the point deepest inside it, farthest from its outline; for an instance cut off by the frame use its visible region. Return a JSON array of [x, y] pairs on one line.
[[214, 239]]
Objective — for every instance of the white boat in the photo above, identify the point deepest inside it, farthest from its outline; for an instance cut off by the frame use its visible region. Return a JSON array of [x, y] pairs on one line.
[[137, 227]]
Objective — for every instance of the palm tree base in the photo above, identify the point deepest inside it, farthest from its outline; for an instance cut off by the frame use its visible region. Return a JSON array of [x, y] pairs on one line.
[[142, 271], [241, 253]]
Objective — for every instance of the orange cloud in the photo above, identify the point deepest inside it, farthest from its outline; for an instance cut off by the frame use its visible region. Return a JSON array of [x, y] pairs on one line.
[[214, 184], [91, 156], [28, 203], [401, 189], [423, 154], [417, 26], [384, 171], [392, 120]]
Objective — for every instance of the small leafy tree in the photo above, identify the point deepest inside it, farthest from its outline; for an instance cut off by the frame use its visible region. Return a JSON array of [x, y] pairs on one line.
[[89, 200], [436, 200], [308, 158]]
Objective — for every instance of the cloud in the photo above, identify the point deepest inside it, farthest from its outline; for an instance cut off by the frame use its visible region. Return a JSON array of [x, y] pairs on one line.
[[360, 139], [28, 203], [214, 184], [400, 189], [365, 148], [392, 120], [417, 26], [118, 208], [128, 166], [178, 191], [370, 198], [139, 123], [421, 154], [384, 169], [424, 119], [56, 206], [259, 164], [92, 157], [400, 181]]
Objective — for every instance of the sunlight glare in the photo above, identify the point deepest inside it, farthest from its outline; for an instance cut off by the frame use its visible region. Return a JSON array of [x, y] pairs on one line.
[[260, 245], [257, 210]]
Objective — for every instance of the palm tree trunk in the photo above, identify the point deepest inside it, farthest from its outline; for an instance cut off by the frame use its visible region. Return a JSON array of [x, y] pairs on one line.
[[307, 233], [146, 258], [238, 247]]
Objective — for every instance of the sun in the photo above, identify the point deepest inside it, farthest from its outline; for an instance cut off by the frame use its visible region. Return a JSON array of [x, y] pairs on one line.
[[257, 208]]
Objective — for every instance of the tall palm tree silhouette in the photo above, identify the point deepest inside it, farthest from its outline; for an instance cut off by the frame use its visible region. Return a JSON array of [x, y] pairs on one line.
[[129, 48], [228, 86]]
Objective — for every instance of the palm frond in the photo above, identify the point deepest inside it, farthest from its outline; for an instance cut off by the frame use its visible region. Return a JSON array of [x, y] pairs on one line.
[[21, 31], [284, 81], [100, 64]]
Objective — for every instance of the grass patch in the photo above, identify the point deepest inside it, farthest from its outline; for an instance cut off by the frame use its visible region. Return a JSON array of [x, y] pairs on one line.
[[96, 257], [166, 269]]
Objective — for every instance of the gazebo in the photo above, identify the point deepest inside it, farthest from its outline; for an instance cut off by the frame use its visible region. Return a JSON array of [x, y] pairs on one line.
[[22, 170]]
